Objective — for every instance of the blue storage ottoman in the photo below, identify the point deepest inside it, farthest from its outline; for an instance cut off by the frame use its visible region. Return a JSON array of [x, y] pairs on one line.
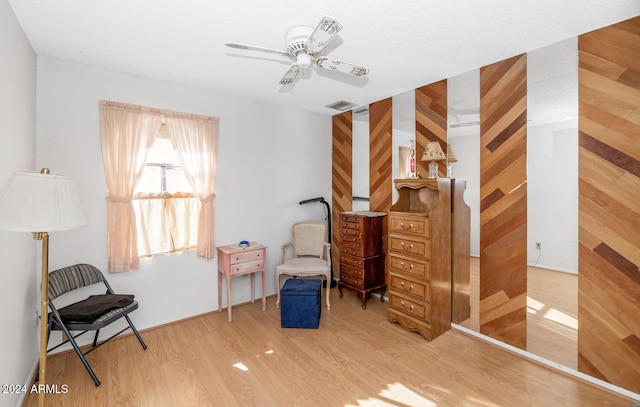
[[300, 303]]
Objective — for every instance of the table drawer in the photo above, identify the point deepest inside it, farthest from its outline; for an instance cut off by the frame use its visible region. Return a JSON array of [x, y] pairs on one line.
[[246, 256], [404, 223], [346, 238], [351, 232], [351, 218], [408, 265], [352, 281], [247, 267], [409, 246], [407, 306], [420, 290], [356, 262], [350, 225], [352, 271], [350, 248]]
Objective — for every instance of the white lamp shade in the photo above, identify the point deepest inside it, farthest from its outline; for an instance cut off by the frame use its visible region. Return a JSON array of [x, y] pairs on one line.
[[36, 202]]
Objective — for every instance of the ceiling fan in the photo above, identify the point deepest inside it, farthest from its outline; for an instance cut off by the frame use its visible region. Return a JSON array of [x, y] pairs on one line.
[[303, 44]]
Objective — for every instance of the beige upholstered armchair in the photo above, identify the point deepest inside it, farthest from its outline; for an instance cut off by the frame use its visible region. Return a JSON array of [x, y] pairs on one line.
[[311, 255]]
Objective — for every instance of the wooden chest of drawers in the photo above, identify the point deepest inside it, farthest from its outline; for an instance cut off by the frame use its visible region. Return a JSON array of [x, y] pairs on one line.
[[420, 257], [362, 259]]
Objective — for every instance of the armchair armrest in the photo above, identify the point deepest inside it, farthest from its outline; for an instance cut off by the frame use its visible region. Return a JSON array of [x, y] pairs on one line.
[[283, 251], [328, 247]]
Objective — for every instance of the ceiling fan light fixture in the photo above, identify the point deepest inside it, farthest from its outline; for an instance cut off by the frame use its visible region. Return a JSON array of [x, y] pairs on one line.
[[303, 60]]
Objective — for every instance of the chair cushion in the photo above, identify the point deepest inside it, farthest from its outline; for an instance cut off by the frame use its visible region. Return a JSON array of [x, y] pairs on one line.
[[90, 309], [304, 265]]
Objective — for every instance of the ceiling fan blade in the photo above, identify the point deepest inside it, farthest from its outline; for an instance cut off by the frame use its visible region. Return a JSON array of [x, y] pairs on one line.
[[322, 34], [261, 49], [341, 66], [290, 75]]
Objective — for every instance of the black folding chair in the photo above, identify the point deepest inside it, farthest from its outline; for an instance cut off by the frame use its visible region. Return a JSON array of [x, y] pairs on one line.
[[91, 314]]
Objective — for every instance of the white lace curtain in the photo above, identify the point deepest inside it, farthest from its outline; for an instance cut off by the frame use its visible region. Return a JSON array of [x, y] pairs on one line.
[[127, 134]]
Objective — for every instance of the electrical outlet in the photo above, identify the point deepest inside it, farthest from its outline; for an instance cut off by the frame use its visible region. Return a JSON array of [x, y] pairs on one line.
[[538, 246]]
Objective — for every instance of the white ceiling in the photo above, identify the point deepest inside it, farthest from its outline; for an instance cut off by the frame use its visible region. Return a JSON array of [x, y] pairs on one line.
[[405, 44]]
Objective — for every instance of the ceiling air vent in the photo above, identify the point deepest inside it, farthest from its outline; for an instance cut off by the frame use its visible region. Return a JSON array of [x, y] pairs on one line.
[[341, 105], [361, 109]]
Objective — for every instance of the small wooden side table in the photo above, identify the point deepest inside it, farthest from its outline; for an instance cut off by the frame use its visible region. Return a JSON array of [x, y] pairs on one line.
[[234, 260]]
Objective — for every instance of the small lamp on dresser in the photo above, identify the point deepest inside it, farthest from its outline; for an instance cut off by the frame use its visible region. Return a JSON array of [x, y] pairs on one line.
[[433, 153]]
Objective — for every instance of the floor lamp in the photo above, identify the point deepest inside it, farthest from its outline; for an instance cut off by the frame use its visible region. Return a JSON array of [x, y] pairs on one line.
[[41, 203]]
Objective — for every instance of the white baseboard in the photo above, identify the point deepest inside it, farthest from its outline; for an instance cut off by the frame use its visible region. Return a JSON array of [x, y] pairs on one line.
[[29, 381]]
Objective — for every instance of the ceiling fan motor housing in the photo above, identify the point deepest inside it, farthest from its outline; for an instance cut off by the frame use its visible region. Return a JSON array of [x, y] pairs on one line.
[[296, 38]]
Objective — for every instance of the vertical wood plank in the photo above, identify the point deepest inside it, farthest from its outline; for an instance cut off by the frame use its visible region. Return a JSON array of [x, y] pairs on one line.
[[380, 153], [609, 209], [431, 123], [341, 179], [460, 259], [503, 206]]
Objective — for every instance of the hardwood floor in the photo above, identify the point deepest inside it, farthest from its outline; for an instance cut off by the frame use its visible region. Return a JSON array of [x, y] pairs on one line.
[[355, 358], [552, 316], [552, 313]]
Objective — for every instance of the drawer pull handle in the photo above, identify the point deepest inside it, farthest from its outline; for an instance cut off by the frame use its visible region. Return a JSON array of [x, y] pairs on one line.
[[410, 308], [405, 267], [406, 227], [406, 247], [405, 288]]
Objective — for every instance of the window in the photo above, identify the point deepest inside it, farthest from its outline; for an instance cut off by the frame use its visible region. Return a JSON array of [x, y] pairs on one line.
[[127, 134], [164, 203]]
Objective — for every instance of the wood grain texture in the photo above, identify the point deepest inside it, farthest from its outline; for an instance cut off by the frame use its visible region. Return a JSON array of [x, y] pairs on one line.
[[380, 157], [341, 179], [503, 201], [420, 234], [431, 123], [460, 247], [552, 313], [355, 358], [609, 209]]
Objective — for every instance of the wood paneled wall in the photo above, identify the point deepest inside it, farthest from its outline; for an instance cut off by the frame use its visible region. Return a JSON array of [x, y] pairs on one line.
[[341, 179], [609, 204], [380, 156], [431, 123], [380, 162], [503, 201]]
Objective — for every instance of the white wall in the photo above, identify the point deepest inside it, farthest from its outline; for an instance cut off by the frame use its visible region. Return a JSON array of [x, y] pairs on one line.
[[403, 116], [463, 99], [467, 150], [18, 287], [552, 156], [360, 149], [552, 195], [269, 158], [552, 153]]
